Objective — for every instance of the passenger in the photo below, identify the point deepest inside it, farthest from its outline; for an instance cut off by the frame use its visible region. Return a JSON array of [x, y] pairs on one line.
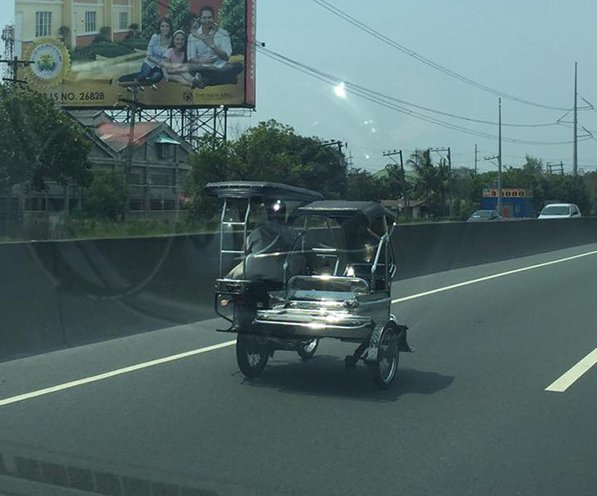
[[267, 246]]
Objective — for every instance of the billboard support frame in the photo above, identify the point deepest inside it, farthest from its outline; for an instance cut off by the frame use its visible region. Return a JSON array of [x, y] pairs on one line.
[[189, 123]]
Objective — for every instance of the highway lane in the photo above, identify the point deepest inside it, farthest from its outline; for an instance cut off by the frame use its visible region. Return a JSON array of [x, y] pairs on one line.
[[468, 414]]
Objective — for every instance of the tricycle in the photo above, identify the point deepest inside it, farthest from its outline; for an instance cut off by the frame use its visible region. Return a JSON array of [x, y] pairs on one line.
[[295, 268]]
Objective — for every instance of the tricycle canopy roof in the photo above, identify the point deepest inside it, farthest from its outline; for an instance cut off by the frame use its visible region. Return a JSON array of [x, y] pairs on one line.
[[264, 190], [343, 209]]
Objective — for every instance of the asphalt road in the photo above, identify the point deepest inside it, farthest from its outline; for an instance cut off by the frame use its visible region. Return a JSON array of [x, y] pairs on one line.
[[469, 413]]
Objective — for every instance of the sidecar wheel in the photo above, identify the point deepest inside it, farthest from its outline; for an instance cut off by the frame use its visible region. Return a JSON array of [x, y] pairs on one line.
[[384, 370], [251, 355], [307, 351]]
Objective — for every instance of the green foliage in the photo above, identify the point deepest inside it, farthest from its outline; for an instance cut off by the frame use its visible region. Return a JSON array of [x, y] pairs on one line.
[[531, 176], [397, 184], [179, 11], [232, 19], [104, 35], [362, 185], [590, 182], [74, 228], [64, 35], [214, 161], [269, 151], [39, 142], [132, 44], [432, 182], [106, 196], [151, 18], [106, 49]]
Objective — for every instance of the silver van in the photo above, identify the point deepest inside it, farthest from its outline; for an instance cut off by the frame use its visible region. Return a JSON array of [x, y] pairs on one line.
[[560, 211]]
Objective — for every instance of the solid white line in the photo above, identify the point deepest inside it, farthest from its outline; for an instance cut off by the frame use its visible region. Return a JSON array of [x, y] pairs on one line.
[[564, 382], [113, 373], [494, 276]]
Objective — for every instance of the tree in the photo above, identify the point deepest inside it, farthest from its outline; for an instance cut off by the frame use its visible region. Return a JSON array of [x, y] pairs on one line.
[[570, 189], [151, 18], [322, 167], [214, 161], [104, 35], [463, 192], [232, 19], [106, 196], [395, 184], [590, 182], [432, 181], [179, 11], [531, 177], [274, 152], [39, 142], [270, 151], [362, 185]]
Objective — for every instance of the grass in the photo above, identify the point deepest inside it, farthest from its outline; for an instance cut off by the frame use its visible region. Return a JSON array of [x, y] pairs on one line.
[[84, 228]]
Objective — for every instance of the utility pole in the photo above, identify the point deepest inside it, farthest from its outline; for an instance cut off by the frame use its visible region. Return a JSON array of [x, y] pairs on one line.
[[11, 60], [575, 145], [14, 65], [391, 154], [558, 167], [476, 151], [450, 199], [499, 200], [339, 144], [133, 105], [349, 160], [499, 158]]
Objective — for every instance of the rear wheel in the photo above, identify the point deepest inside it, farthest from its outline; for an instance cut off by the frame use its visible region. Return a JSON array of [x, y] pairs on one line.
[[306, 351], [251, 355], [384, 370]]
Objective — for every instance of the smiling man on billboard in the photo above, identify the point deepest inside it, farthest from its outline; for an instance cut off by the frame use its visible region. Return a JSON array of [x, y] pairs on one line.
[[208, 50]]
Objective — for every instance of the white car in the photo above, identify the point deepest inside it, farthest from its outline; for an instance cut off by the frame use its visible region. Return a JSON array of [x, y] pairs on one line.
[[560, 211]]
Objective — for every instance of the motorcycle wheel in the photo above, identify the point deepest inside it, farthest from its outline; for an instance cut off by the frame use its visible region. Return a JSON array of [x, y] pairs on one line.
[[384, 370], [307, 351], [251, 355]]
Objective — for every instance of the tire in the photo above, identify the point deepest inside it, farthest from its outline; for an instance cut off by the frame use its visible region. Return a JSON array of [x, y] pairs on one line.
[[251, 355], [384, 370], [307, 351]]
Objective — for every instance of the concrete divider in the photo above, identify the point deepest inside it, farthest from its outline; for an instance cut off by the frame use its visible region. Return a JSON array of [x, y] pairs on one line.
[[428, 248], [65, 293]]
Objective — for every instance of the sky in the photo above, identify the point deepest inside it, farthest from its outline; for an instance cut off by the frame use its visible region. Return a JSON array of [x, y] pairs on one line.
[[429, 54]]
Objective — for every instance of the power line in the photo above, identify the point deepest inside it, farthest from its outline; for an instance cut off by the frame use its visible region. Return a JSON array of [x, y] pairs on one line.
[[386, 101], [411, 53]]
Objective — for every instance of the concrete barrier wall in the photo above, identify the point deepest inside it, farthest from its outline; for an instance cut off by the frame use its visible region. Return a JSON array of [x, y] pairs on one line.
[[428, 248], [65, 293]]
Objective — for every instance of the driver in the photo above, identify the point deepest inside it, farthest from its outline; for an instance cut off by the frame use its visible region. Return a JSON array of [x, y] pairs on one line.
[[267, 246]]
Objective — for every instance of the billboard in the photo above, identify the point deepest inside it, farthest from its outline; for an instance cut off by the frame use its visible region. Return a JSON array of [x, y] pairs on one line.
[[183, 53]]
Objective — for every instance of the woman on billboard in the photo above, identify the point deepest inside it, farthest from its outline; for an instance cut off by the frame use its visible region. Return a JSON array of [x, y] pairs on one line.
[[151, 70]]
